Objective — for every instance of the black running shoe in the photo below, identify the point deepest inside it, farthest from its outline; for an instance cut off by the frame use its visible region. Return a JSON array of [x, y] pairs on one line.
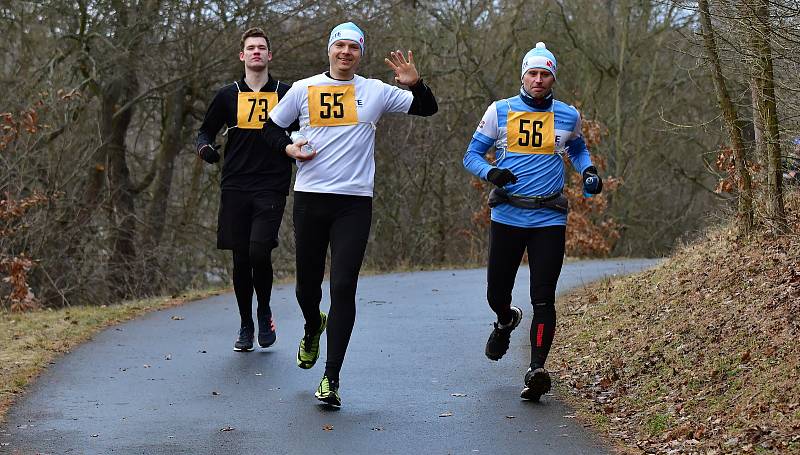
[[266, 332], [537, 383], [497, 345], [245, 341]]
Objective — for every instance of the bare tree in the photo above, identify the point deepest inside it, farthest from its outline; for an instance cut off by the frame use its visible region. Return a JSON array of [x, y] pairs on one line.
[[765, 113], [732, 123]]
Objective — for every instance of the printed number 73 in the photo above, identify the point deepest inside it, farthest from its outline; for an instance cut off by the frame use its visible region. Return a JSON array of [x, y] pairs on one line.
[[262, 116]]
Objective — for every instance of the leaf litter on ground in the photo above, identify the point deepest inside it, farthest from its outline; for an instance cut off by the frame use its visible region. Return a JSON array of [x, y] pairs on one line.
[[698, 355]]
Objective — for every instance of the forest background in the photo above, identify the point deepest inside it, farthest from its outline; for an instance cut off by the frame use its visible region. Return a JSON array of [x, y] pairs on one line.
[[103, 198]]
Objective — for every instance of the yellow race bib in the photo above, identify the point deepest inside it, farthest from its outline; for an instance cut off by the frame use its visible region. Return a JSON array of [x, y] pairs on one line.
[[252, 109], [531, 133], [332, 105]]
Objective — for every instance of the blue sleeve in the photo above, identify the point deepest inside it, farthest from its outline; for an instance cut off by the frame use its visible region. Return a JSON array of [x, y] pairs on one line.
[[576, 146], [474, 159], [579, 154]]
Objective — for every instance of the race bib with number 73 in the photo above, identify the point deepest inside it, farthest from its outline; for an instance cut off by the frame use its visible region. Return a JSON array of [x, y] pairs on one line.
[[332, 105], [531, 133], [252, 109]]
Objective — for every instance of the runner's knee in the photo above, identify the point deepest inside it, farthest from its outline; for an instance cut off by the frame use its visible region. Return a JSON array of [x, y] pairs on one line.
[[241, 259], [343, 290], [260, 254]]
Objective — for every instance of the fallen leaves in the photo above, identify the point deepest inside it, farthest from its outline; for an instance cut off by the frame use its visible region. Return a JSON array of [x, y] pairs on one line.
[[696, 356], [745, 357]]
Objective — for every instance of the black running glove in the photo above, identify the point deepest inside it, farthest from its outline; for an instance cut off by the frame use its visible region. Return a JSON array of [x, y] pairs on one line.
[[592, 183], [501, 177], [209, 153]]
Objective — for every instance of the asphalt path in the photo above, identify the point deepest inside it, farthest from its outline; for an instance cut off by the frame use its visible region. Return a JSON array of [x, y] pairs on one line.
[[415, 380]]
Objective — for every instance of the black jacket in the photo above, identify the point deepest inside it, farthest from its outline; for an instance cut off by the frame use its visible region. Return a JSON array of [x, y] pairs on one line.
[[249, 164]]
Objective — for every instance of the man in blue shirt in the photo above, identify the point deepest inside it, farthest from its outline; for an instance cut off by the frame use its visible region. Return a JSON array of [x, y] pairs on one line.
[[530, 132]]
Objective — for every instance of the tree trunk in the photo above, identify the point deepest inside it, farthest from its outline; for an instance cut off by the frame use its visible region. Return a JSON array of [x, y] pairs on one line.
[[765, 107], [116, 114], [744, 219], [620, 161], [114, 127], [171, 142]]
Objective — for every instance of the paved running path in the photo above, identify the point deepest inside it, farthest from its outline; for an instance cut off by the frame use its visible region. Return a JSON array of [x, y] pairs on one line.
[[148, 386]]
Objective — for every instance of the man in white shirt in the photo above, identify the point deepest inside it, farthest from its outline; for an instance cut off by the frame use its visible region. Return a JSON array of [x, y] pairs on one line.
[[338, 111]]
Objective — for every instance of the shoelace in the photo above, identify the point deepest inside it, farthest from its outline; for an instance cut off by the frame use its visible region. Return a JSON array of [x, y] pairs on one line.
[[307, 341], [325, 386]]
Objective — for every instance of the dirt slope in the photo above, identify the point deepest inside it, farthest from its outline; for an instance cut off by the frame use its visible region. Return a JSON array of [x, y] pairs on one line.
[[700, 355]]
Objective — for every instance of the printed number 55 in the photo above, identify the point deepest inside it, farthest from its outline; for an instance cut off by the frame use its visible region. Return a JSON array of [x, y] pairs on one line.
[[336, 108]]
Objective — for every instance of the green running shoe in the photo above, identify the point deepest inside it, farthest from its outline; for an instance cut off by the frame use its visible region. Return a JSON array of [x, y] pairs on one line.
[[328, 392], [308, 353]]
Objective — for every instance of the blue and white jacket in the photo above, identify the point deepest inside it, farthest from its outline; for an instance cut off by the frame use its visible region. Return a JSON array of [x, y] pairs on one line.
[[538, 138]]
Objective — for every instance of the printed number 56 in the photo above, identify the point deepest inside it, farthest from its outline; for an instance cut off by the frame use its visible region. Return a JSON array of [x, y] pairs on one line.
[[529, 131]]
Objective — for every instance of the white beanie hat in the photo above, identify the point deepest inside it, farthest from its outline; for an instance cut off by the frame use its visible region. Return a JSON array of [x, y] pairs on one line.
[[347, 31], [539, 57]]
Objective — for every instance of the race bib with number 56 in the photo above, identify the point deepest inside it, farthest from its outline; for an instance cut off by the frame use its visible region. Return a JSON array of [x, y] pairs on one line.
[[530, 132], [332, 105], [252, 109]]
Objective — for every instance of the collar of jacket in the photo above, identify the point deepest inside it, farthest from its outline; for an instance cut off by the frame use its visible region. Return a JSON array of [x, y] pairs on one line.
[[543, 103], [270, 86]]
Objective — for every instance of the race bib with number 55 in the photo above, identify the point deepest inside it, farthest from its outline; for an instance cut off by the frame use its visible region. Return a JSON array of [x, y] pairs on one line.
[[252, 109], [530, 132], [332, 105]]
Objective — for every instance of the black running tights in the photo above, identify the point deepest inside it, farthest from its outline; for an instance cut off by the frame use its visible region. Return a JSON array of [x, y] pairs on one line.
[[252, 269], [545, 247], [343, 222]]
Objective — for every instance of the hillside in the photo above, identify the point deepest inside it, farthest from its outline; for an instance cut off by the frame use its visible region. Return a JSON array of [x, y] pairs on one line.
[[699, 355]]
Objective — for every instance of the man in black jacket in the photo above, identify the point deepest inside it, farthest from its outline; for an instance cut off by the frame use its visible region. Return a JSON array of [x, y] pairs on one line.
[[255, 183]]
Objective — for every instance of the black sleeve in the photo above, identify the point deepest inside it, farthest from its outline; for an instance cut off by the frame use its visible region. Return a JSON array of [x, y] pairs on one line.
[[212, 122], [276, 137], [424, 103]]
